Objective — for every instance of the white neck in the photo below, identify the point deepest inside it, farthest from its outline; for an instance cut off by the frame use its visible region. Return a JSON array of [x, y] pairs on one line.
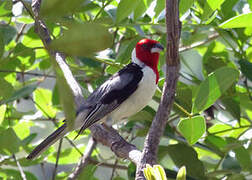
[[135, 59]]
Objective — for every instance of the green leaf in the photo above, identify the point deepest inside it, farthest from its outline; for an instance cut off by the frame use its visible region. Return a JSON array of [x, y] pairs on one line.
[[25, 55], [5, 7], [125, 7], [83, 39], [239, 21], [213, 87], [231, 163], [217, 143], [232, 105], [149, 172], [246, 68], [192, 128], [1, 45], [111, 69], [55, 8], [242, 155], [215, 57], [10, 143], [160, 171], [8, 32], [140, 9], [2, 112], [67, 100], [126, 49], [184, 155], [88, 172], [69, 155], [183, 97], [5, 92], [31, 39], [210, 6], [15, 174], [181, 173], [250, 3], [20, 93], [184, 5], [43, 99], [160, 5]]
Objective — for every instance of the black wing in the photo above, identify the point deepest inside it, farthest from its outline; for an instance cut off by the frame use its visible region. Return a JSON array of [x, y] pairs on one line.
[[111, 94]]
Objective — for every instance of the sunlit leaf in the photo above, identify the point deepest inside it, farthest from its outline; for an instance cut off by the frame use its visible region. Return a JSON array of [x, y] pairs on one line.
[[213, 87], [140, 9], [43, 99], [184, 5], [181, 173], [31, 39], [5, 7], [160, 5], [2, 112], [192, 128], [239, 21], [210, 6]]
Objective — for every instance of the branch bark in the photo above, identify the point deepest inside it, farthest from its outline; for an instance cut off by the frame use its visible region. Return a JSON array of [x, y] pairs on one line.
[[107, 137], [156, 130], [84, 159]]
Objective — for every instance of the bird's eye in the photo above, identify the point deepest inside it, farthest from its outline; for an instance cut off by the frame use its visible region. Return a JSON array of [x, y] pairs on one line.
[[145, 46]]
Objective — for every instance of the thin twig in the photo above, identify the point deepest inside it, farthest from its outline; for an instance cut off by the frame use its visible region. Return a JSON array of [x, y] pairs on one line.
[[19, 167], [20, 33], [84, 159], [113, 170], [57, 160], [95, 162], [27, 73], [27, 8], [197, 44]]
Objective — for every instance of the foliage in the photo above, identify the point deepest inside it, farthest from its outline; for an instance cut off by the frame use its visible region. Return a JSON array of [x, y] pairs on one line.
[[209, 130], [154, 173]]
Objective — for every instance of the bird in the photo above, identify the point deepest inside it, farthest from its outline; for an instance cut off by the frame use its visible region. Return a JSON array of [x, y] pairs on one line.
[[124, 94]]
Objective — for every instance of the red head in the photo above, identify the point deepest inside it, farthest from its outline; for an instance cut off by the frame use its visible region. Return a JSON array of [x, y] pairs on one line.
[[147, 52]]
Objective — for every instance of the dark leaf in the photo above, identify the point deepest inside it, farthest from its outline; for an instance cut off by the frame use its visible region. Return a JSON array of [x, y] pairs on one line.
[[183, 155]]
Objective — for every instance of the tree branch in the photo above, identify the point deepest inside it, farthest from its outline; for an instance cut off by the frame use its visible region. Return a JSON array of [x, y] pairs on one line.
[[172, 73], [108, 137], [84, 159], [20, 168]]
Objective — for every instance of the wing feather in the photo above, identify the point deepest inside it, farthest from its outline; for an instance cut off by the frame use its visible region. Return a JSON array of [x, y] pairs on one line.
[[111, 94]]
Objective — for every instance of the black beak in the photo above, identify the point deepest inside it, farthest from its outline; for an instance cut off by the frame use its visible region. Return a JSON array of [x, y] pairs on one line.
[[159, 46]]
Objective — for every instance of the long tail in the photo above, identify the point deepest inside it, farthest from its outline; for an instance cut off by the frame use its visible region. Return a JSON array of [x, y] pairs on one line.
[[51, 139]]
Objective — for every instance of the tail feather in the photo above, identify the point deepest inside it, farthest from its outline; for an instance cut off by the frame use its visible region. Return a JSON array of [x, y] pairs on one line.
[[56, 135]]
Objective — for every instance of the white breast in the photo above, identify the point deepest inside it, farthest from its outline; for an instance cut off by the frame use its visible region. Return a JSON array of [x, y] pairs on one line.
[[139, 99]]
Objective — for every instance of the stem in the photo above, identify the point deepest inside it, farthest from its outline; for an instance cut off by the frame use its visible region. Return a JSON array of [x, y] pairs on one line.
[[57, 159], [183, 110]]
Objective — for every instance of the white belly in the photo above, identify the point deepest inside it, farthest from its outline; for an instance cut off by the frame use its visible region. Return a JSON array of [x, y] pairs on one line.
[[139, 99]]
